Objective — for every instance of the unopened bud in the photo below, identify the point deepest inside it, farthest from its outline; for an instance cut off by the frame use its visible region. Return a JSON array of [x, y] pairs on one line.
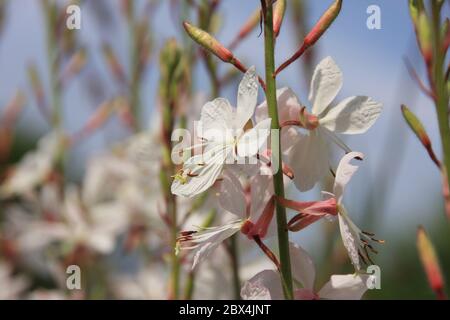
[[278, 15], [317, 31], [422, 28], [416, 126], [430, 263], [324, 23], [208, 42]]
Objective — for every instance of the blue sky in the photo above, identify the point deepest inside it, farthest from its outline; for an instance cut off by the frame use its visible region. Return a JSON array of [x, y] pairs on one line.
[[371, 61]]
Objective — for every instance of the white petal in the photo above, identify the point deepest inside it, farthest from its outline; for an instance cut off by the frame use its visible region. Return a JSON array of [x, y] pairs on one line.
[[207, 241], [344, 287], [265, 285], [309, 160], [288, 106], [303, 269], [254, 139], [289, 137], [246, 98], [207, 167], [353, 115], [103, 243], [216, 120], [231, 197], [351, 241], [344, 173], [325, 85], [261, 189]]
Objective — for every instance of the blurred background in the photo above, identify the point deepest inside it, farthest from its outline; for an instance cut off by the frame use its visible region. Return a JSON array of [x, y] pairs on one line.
[[397, 187]]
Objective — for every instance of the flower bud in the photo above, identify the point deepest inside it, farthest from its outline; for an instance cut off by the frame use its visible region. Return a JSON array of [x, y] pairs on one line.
[[430, 263], [317, 31], [422, 28], [418, 129], [324, 23], [208, 42], [278, 15]]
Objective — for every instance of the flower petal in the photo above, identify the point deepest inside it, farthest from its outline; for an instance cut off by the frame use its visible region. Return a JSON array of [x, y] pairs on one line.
[[303, 269], [325, 85], [344, 287], [216, 120], [351, 241], [204, 168], [231, 197], [344, 173], [255, 138], [206, 241], [309, 160], [246, 98], [265, 285], [353, 115], [288, 106]]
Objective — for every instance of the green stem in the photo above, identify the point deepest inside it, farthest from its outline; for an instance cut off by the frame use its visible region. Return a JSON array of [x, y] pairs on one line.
[[135, 68], [234, 255], [440, 88], [53, 56], [283, 236], [175, 273], [168, 169]]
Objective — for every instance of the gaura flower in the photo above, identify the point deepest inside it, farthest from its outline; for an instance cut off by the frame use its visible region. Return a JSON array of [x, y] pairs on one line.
[[240, 217], [74, 224], [225, 137], [12, 286], [266, 285], [358, 243], [308, 154], [34, 168]]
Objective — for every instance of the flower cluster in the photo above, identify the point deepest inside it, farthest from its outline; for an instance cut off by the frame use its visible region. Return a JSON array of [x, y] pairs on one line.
[[245, 190]]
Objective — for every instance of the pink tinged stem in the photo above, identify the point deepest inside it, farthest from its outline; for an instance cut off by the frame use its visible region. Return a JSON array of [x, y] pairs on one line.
[[313, 208], [267, 252], [301, 221]]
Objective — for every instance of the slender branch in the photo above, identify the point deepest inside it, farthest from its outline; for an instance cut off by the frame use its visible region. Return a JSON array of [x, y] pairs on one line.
[[440, 87], [234, 256], [283, 236]]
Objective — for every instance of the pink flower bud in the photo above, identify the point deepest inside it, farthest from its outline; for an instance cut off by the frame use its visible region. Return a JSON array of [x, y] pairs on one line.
[[208, 42], [278, 15], [430, 263]]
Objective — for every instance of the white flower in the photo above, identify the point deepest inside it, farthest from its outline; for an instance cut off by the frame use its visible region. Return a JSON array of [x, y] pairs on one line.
[[357, 242], [308, 153], [266, 285], [34, 168], [11, 286], [95, 227], [239, 213], [223, 131]]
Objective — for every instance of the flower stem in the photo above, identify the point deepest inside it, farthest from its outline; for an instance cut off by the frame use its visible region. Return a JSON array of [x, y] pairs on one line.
[[53, 55], [283, 236], [234, 256], [440, 88]]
